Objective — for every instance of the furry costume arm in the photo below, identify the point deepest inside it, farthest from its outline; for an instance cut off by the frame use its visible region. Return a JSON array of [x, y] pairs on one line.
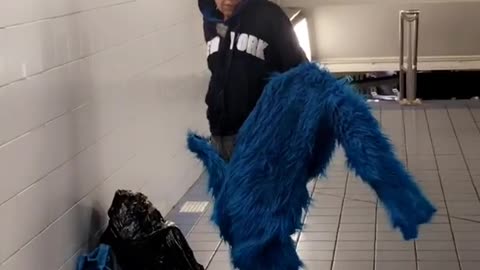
[[371, 155], [214, 164]]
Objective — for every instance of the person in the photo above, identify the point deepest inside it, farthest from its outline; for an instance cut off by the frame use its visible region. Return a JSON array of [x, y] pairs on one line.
[[247, 41]]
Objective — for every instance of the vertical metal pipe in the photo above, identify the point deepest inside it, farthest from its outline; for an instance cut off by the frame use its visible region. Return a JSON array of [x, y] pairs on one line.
[[402, 48], [415, 59], [408, 74]]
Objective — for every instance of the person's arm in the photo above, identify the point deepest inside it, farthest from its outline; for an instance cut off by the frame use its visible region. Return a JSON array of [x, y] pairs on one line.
[[284, 41]]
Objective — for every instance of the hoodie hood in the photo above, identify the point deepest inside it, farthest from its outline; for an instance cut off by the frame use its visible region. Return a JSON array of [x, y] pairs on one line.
[[211, 14]]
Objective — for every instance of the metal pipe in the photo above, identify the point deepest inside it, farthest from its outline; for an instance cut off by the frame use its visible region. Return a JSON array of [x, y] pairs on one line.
[[408, 74], [415, 58], [402, 49], [410, 84]]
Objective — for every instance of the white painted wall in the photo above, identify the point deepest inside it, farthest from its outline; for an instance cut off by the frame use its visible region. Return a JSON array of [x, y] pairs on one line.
[[95, 96]]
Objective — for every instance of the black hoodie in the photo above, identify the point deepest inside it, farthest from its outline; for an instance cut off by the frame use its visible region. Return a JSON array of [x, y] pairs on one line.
[[243, 52]]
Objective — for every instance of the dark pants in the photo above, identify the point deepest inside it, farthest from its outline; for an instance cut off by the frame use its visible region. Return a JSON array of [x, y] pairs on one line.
[[224, 145]]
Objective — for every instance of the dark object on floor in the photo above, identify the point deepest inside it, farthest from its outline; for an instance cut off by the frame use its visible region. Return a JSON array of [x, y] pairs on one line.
[[101, 258], [431, 85], [288, 139], [134, 216], [142, 239], [448, 85]]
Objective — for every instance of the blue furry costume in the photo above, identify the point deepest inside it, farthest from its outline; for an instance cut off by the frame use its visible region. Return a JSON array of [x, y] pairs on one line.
[[287, 140]]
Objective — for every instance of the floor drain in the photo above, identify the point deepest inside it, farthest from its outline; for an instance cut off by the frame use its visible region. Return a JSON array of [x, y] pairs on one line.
[[194, 207]]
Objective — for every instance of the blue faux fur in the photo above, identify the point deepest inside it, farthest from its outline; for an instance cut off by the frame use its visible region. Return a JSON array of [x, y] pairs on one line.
[[288, 139]]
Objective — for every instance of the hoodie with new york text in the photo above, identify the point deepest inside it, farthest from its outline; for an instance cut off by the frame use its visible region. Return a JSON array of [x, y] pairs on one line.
[[242, 54]]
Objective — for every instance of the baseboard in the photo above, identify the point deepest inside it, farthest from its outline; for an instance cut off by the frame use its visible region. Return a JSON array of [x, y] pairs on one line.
[[372, 64]]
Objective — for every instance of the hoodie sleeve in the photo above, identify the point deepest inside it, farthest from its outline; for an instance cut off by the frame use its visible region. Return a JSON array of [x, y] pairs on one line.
[[286, 47]]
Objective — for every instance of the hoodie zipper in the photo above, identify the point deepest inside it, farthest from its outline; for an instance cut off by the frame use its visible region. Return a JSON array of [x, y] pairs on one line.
[[228, 49]]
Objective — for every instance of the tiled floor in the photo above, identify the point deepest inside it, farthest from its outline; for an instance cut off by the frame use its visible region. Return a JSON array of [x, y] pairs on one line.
[[346, 228]]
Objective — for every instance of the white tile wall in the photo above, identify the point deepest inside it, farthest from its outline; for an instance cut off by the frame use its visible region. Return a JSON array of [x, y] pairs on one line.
[[94, 96], [35, 47], [16, 12]]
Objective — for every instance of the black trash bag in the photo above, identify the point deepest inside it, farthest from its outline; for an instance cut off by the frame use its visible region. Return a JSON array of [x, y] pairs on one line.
[[134, 216], [142, 239]]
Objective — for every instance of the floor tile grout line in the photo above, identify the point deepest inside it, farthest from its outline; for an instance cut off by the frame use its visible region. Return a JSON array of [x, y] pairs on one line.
[[374, 267], [213, 255], [443, 190], [218, 245], [346, 197], [463, 155], [339, 221], [466, 219], [197, 222], [402, 110], [477, 124], [473, 117], [312, 192]]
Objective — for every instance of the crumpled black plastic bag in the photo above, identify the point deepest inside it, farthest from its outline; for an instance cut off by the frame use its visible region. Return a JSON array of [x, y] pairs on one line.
[[141, 238]]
